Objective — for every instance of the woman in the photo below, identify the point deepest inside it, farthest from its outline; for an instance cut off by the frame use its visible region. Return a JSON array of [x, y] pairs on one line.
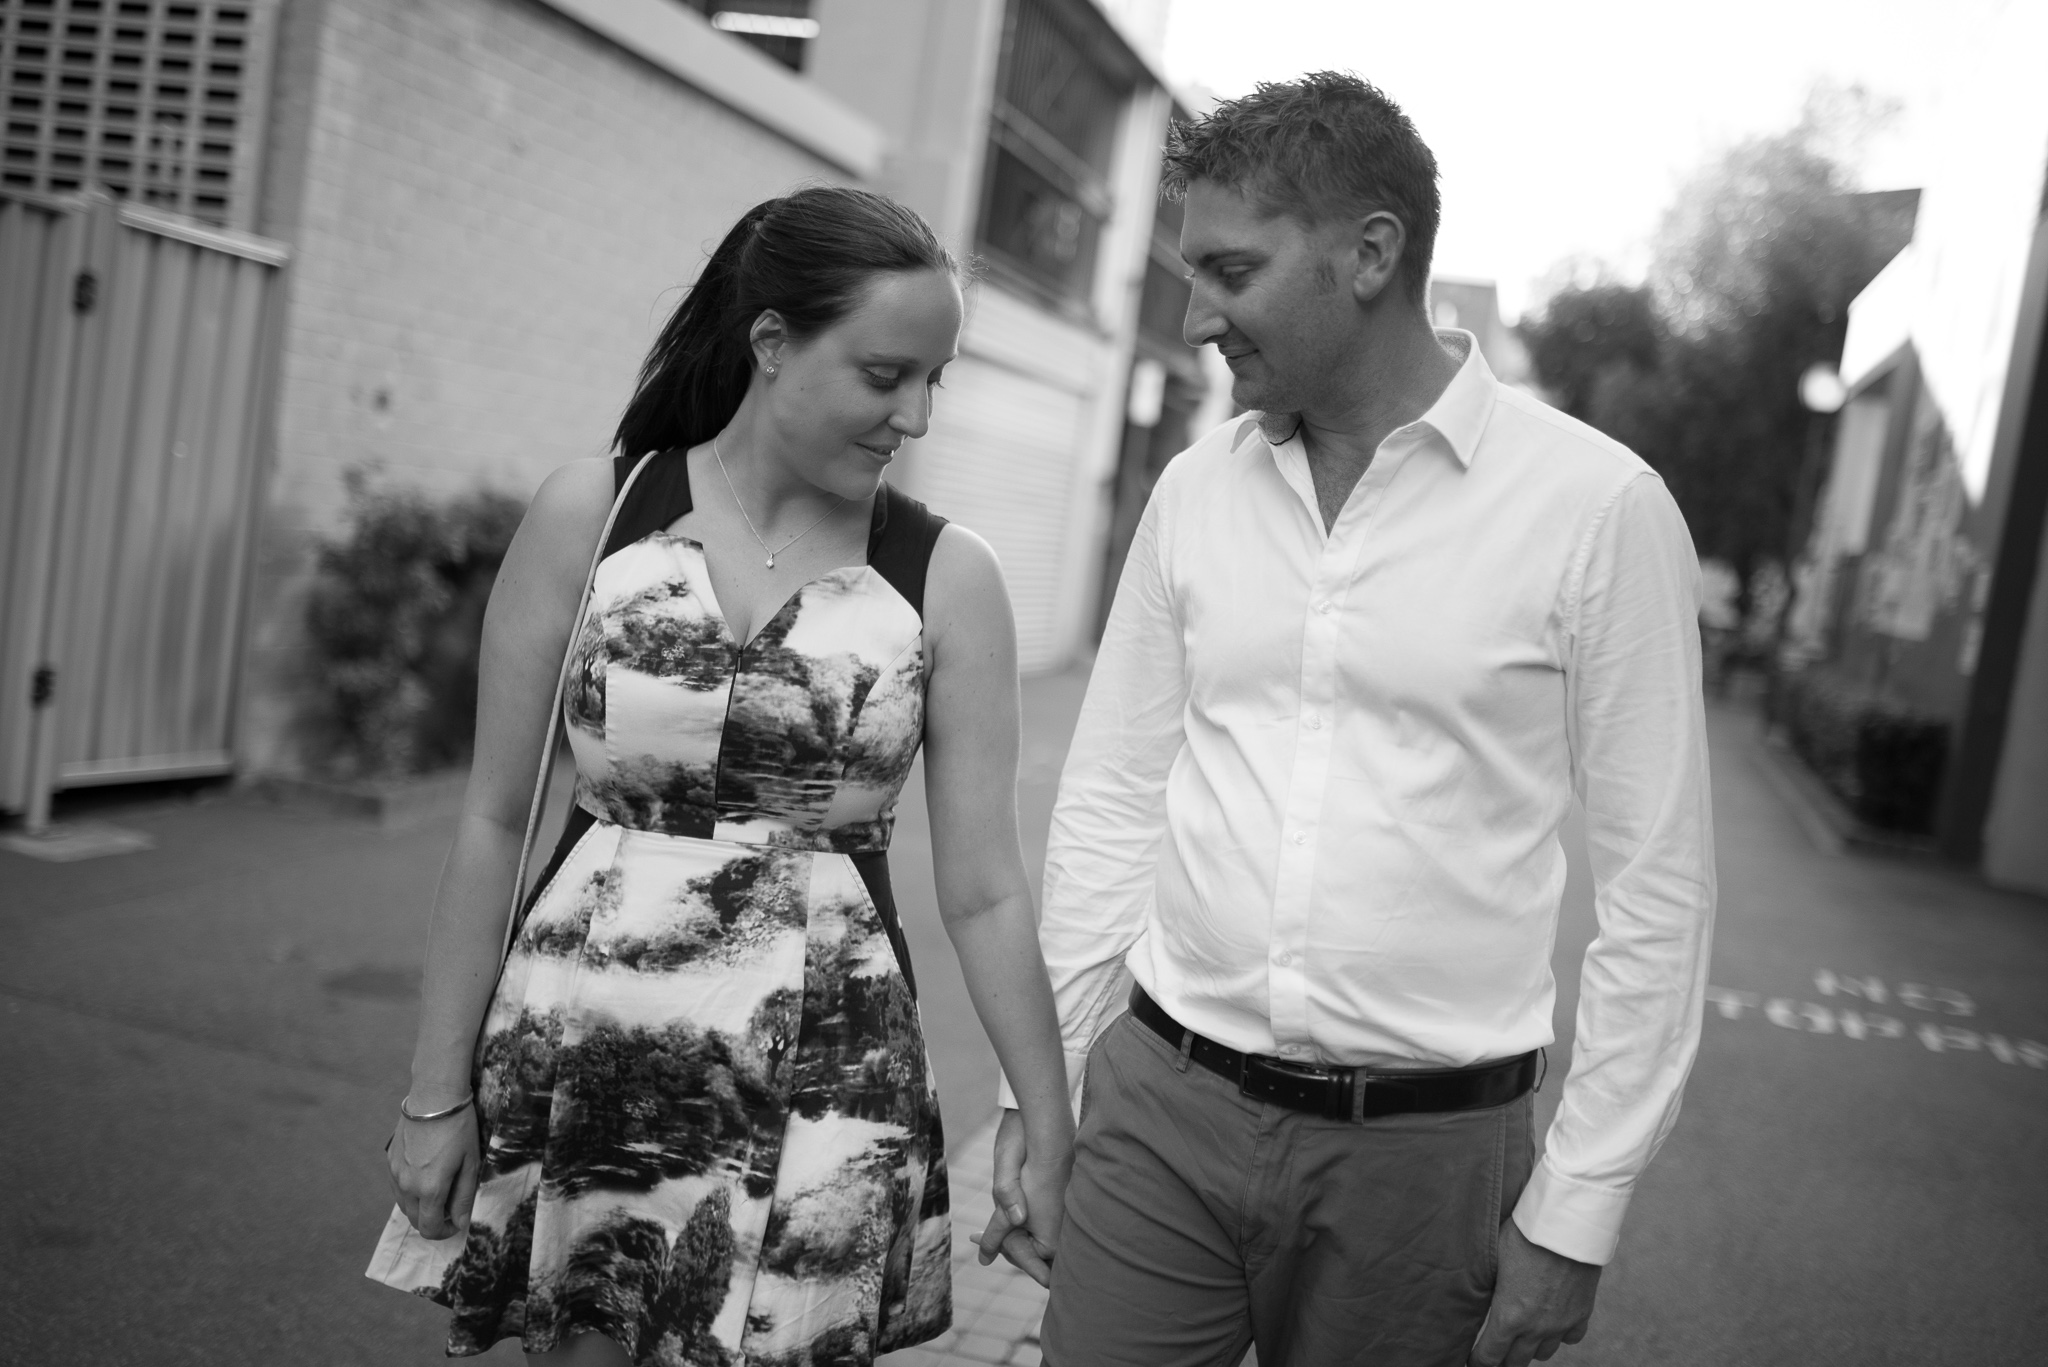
[[703, 1128]]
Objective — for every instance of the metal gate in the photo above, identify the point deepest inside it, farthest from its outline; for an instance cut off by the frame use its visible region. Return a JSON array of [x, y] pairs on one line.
[[136, 355]]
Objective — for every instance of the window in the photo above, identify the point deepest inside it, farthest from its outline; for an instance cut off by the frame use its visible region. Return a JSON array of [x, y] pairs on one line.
[[151, 102], [1163, 304], [1060, 87], [781, 28]]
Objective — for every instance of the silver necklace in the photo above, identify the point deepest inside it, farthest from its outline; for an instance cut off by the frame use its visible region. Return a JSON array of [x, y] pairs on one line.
[[750, 521]]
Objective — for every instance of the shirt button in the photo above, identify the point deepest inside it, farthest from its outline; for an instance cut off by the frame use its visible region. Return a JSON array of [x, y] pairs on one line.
[[1313, 721], [1301, 837], [1283, 958], [1326, 607]]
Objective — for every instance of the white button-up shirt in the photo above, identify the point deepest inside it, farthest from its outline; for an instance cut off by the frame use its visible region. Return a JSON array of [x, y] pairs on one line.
[[1314, 797]]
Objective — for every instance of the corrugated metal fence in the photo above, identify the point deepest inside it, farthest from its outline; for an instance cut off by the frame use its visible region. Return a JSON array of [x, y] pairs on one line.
[[136, 351]]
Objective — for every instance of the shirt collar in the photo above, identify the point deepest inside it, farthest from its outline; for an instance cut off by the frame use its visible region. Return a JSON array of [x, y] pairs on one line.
[[1458, 416]]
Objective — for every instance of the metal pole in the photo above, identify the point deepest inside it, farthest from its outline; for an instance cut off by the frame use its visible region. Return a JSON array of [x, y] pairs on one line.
[[91, 272], [72, 293]]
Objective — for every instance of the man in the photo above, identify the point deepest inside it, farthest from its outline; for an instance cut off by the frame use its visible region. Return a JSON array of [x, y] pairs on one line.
[[1369, 640]]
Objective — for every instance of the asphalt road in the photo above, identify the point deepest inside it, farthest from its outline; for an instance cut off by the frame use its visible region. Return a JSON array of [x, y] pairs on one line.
[[1832, 1193], [203, 1046], [204, 1043]]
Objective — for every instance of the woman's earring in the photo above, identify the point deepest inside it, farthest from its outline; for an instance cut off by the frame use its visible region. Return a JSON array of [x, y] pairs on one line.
[[769, 369]]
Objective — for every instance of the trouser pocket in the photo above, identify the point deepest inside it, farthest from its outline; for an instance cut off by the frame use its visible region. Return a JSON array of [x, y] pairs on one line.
[[1497, 1196]]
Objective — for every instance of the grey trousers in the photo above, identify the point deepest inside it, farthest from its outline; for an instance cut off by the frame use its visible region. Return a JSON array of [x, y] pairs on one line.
[[1201, 1220]]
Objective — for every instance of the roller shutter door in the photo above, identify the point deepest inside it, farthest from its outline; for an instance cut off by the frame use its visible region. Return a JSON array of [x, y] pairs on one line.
[[1001, 460]]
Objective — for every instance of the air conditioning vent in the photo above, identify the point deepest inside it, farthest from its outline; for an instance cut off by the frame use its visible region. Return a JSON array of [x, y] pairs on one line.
[[159, 103]]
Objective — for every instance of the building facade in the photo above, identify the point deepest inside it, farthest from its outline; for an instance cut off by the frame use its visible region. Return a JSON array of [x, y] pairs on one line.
[[489, 206], [1474, 305], [1923, 576], [1028, 132]]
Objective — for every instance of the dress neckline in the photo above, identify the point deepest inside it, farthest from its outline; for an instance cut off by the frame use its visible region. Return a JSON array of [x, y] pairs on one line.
[[684, 499], [662, 497], [901, 537], [709, 591]]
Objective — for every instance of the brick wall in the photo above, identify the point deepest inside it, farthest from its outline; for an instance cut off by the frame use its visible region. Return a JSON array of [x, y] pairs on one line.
[[492, 210]]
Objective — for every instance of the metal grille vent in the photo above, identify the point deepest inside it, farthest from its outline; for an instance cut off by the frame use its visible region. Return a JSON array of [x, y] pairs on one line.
[[1061, 79], [1060, 86], [154, 100]]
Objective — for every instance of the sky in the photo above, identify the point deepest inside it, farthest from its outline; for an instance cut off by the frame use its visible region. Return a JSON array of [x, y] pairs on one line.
[[1563, 128]]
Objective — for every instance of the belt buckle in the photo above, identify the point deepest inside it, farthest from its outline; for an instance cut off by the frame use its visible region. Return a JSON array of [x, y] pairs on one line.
[[1297, 1085]]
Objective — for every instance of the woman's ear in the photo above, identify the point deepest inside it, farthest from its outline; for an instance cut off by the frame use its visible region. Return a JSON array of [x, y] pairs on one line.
[[768, 338]]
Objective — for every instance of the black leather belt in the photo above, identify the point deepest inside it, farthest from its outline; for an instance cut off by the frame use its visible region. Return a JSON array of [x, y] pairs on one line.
[[1344, 1093]]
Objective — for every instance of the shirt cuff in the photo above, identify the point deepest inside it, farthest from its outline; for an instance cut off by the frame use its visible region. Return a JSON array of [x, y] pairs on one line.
[[1577, 1219], [1006, 1099]]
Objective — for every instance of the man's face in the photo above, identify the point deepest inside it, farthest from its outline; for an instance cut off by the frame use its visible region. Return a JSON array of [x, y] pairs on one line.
[[1273, 293]]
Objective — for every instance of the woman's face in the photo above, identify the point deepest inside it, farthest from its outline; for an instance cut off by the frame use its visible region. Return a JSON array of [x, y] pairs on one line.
[[842, 402]]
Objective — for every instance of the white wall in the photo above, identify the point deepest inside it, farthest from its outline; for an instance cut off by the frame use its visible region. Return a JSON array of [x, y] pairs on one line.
[[1024, 440], [923, 71], [1955, 291], [492, 208], [2016, 832]]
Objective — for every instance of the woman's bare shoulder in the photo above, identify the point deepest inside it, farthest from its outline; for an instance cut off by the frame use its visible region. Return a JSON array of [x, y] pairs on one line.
[[572, 502], [964, 592], [552, 548], [964, 574]]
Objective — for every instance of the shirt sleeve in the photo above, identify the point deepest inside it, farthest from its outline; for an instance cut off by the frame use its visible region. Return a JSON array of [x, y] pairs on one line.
[[1637, 729], [1111, 813]]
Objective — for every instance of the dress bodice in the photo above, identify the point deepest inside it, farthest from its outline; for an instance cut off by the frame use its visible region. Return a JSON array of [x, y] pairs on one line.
[[802, 737]]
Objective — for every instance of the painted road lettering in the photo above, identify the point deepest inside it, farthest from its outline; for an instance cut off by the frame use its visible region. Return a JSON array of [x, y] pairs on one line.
[[1813, 1018], [1943, 1000], [1859, 1026]]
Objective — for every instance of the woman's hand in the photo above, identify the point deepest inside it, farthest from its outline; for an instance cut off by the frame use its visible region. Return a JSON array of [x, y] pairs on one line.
[[1030, 1193], [434, 1169]]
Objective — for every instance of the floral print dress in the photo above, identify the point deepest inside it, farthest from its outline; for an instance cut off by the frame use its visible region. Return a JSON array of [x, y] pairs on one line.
[[710, 1130]]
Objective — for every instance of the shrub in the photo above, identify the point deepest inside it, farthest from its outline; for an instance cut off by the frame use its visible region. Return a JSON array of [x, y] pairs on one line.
[[1879, 755], [1898, 770], [396, 622]]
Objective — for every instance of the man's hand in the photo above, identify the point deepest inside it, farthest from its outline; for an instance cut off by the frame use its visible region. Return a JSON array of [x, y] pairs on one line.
[[1030, 1192], [1540, 1300]]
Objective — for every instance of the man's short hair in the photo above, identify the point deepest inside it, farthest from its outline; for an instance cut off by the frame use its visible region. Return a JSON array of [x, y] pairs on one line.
[[1326, 146]]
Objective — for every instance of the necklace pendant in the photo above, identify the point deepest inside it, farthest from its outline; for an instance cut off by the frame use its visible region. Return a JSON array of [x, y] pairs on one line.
[[771, 562]]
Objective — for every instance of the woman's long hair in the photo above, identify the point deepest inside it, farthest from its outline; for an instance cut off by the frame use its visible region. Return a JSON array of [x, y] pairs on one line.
[[809, 256]]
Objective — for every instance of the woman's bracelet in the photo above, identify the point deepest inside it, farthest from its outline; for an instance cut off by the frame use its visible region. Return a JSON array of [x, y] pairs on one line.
[[405, 1109]]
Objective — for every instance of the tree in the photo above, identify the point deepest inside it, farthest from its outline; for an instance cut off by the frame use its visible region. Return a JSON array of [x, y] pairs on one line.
[[1592, 336], [1698, 368]]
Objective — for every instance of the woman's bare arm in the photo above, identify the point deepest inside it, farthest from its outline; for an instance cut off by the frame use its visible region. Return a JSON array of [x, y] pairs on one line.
[[972, 736], [526, 631]]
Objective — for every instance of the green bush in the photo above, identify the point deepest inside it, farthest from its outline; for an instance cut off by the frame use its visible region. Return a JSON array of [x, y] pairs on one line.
[[396, 622], [1878, 754]]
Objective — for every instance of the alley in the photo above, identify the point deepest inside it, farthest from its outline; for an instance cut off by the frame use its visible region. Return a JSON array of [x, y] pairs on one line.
[[1856, 1175], [205, 1042]]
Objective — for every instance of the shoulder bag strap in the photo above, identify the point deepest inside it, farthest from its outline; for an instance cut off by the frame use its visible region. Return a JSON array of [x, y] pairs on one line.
[[547, 748]]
